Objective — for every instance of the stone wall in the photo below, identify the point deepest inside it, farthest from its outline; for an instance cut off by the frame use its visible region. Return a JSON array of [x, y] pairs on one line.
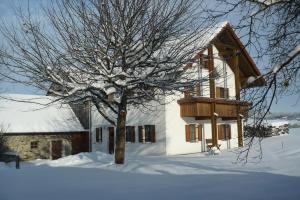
[[22, 145]]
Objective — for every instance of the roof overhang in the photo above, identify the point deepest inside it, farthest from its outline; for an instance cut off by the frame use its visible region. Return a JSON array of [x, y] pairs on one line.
[[226, 40]]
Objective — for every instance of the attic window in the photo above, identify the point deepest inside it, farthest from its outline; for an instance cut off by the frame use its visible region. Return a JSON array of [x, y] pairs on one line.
[[34, 144]]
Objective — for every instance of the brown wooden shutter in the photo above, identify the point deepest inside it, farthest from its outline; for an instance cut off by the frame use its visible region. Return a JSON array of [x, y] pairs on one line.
[[97, 134], [187, 133], [221, 134], [133, 134], [101, 134], [187, 93], [218, 92], [153, 133], [140, 134], [200, 132]]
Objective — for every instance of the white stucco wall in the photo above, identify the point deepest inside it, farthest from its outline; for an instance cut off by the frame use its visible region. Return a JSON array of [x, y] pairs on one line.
[[175, 132], [135, 117], [218, 64]]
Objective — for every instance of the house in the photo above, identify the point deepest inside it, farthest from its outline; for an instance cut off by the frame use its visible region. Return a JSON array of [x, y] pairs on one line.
[[210, 114], [34, 128]]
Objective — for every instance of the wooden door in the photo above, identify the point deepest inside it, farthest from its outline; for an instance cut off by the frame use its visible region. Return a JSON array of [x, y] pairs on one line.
[[111, 140], [56, 149]]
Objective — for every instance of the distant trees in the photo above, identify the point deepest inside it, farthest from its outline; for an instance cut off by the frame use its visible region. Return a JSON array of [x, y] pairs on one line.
[[289, 115], [114, 53]]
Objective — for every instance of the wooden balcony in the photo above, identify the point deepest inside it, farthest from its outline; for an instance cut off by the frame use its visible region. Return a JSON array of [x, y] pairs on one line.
[[201, 107]]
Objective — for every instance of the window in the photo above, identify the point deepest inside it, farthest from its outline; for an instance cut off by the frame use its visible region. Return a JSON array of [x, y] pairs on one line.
[[130, 134], [147, 133], [141, 134], [187, 92], [204, 61], [197, 89], [222, 92], [193, 132], [99, 134], [34, 144], [224, 132]]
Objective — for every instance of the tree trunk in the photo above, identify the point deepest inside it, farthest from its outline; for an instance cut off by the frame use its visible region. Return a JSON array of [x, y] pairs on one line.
[[120, 131]]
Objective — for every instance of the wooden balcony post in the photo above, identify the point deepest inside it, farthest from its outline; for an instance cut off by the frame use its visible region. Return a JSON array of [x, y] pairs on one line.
[[236, 74], [212, 95], [237, 95]]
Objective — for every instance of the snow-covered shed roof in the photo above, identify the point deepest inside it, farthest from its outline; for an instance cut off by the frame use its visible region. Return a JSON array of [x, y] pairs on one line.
[[21, 113]]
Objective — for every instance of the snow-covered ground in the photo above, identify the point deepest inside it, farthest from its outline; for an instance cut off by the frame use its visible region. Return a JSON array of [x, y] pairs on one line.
[[195, 176]]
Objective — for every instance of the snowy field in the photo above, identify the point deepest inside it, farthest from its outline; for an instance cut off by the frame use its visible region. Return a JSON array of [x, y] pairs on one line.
[[195, 176]]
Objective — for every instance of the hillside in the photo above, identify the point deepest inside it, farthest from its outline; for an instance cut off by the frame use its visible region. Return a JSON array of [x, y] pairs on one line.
[[292, 117]]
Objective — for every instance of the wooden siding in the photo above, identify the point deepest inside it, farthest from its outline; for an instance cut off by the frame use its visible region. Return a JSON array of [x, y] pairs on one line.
[[226, 110], [195, 109], [201, 107]]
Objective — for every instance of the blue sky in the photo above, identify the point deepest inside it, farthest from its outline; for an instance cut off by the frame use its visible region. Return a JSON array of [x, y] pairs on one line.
[[285, 104]]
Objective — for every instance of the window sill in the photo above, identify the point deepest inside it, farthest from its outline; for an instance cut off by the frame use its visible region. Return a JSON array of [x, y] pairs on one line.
[[146, 142]]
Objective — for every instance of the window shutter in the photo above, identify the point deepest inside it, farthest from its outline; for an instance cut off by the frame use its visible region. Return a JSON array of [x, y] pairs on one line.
[[200, 132], [221, 135], [101, 134], [127, 132], [133, 134], [97, 134], [153, 133], [187, 133], [218, 92], [140, 134], [187, 93]]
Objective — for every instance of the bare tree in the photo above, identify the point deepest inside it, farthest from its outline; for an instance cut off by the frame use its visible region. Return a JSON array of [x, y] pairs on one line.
[[115, 53], [271, 30], [2, 139]]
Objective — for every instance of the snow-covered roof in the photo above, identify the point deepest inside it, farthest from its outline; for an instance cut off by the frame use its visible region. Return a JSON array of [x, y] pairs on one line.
[[212, 32], [199, 40], [21, 113]]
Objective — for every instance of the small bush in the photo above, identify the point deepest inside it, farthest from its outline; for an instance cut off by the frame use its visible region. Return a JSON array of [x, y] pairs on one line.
[[258, 131]]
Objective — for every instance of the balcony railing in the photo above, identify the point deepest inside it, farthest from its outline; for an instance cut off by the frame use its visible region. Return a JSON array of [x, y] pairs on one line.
[[202, 107]]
